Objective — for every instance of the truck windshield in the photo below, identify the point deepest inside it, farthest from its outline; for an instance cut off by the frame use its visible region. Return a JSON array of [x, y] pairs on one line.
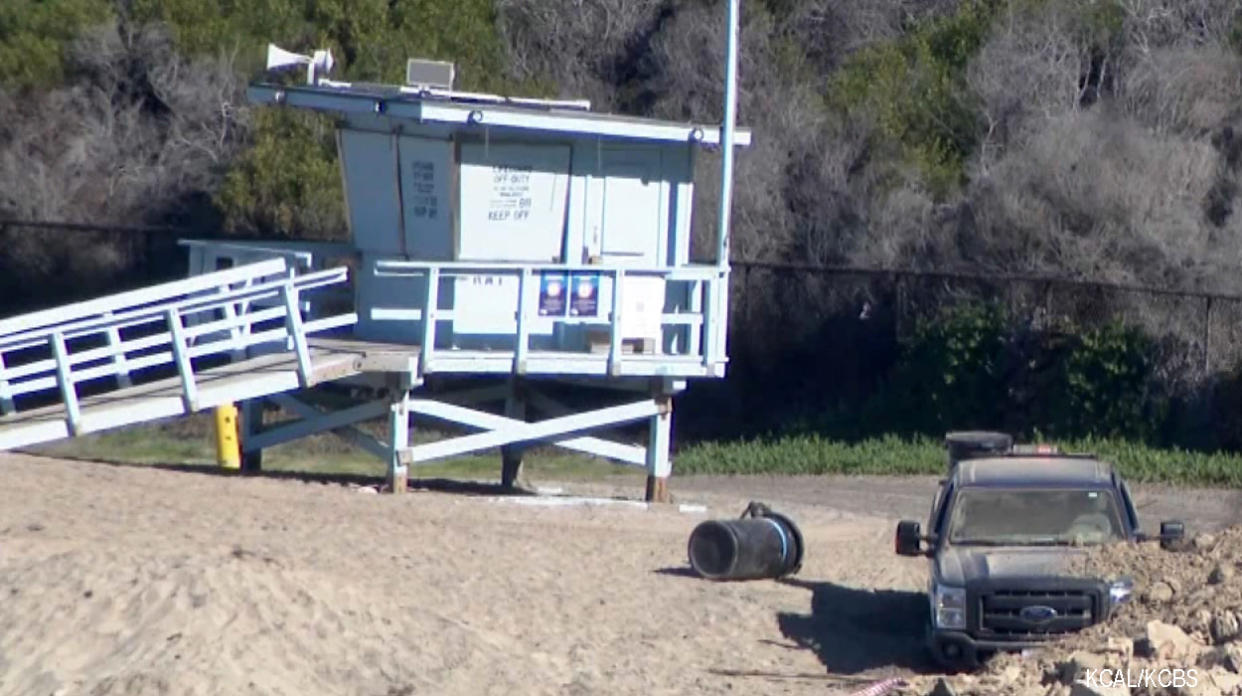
[[988, 516]]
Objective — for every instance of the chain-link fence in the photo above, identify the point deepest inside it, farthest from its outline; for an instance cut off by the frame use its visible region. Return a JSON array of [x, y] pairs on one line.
[[777, 304], [823, 342]]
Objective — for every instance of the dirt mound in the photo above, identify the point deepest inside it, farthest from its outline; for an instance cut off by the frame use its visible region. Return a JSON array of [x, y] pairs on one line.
[[1180, 634]]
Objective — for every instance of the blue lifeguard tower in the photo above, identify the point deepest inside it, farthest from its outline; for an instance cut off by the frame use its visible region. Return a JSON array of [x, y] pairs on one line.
[[527, 243]]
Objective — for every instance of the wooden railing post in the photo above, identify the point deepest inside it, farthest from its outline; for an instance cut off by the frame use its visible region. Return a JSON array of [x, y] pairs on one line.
[[429, 317], [293, 324], [230, 314], [614, 338], [710, 308], [525, 284], [119, 360], [181, 355], [64, 380], [6, 394], [696, 307]]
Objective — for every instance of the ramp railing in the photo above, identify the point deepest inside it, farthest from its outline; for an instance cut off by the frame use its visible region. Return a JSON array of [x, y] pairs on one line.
[[57, 351]]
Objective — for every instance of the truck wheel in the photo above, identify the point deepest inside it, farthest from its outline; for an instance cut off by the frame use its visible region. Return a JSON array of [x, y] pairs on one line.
[[954, 655]]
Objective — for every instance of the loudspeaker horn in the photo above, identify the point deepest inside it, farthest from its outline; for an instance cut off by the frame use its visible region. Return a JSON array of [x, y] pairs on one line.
[[278, 57], [320, 62]]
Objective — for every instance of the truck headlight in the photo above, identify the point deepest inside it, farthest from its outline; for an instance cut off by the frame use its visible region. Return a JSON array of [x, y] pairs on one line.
[[1120, 590], [949, 604]]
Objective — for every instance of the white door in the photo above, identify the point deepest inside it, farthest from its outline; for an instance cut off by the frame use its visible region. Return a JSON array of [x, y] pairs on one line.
[[633, 215]]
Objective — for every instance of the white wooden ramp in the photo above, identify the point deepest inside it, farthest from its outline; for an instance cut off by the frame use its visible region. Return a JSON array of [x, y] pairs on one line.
[[163, 351]]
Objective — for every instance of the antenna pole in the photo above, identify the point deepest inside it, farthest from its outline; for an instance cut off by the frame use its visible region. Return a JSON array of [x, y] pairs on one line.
[[726, 136]]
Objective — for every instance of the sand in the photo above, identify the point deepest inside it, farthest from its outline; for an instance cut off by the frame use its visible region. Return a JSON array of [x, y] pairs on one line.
[[134, 581]]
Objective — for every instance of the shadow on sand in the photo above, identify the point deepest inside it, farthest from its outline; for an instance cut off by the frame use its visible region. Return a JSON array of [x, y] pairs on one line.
[[440, 485], [678, 572], [856, 630]]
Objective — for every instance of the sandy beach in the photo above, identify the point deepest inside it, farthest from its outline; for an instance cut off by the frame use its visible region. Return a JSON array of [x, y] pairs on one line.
[[131, 580]]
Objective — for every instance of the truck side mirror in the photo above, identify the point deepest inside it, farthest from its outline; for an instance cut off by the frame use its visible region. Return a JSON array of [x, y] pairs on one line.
[[1172, 534], [909, 539]]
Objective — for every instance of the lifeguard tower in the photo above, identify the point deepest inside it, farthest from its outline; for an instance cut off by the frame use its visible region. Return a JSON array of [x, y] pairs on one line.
[[528, 244]]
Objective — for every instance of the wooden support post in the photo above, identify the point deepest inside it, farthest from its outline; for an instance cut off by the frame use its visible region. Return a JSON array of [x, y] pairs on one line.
[[659, 466], [398, 440], [511, 455], [250, 424]]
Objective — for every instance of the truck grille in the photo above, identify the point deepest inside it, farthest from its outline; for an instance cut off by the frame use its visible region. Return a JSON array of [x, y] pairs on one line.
[[1032, 614]]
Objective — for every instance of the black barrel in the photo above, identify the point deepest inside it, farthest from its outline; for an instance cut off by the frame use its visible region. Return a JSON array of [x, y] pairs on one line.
[[974, 444], [760, 544]]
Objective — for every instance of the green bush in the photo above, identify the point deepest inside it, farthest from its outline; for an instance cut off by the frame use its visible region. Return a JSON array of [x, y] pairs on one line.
[[1108, 385], [975, 367], [35, 35], [287, 183], [950, 374], [914, 91]]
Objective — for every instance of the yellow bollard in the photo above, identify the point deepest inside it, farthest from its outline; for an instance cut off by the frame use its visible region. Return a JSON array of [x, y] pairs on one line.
[[228, 451]]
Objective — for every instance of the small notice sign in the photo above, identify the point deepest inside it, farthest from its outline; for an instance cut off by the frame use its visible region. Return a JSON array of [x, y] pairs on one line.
[[584, 300], [553, 286]]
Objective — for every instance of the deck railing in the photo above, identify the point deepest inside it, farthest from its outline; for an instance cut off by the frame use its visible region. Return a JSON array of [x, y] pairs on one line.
[[692, 318]]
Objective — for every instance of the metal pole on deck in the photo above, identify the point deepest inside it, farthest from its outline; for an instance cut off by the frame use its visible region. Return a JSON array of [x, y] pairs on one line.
[[658, 466], [726, 135]]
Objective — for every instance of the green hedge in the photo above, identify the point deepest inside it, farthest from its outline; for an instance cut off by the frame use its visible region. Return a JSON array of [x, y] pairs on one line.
[[817, 455]]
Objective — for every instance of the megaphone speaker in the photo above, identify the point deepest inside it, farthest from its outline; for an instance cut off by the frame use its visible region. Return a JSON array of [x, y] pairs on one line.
[[278, 57]]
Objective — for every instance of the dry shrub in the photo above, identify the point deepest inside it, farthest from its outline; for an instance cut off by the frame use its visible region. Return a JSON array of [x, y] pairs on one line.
[[136, 133], [138, 128], [1183, 89], [1095, 195], [916, 239], [689, 60], [1028, 71], [1150, 25], [830, 30], [581, 46]]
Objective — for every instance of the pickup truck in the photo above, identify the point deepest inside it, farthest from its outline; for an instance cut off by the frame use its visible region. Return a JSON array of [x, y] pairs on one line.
[[1005, 526]]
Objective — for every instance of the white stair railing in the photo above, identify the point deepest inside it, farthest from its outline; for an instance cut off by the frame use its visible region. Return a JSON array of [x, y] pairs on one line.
[[116, 337]]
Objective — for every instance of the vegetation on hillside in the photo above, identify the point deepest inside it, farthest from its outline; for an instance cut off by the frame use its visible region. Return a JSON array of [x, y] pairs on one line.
[[1095, 139]]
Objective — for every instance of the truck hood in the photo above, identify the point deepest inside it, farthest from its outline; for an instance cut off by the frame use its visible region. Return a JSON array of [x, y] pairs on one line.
[[961, 564]]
